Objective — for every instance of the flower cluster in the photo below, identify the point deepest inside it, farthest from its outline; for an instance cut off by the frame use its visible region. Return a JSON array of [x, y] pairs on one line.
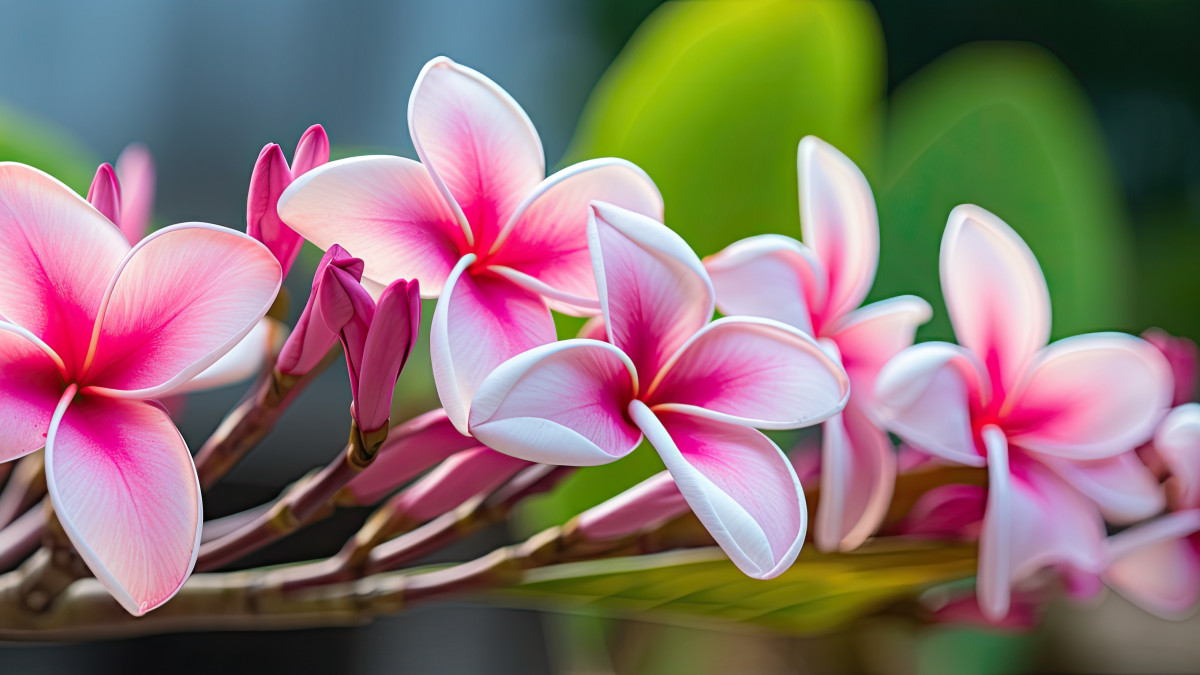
[[1077, 437]]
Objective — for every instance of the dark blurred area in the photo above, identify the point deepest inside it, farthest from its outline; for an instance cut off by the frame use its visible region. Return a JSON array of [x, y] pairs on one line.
[[205, 85]]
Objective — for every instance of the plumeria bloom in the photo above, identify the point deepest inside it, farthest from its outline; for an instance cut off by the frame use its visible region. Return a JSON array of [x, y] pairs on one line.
[[476, 222], [818, 288], [271, 176], [1157, 564], [696, 389], [126, 197], [93, 330], [1055, 425]]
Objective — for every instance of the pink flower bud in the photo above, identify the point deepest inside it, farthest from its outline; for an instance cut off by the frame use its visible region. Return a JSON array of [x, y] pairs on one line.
[[652, 502], [105, 194], [135, 171], [384, 349], [410, 449], [946, 512], [330, 304], [271, 176], [454, 481]]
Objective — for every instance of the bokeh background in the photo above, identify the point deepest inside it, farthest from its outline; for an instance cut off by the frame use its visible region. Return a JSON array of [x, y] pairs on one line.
[[1078, 122]]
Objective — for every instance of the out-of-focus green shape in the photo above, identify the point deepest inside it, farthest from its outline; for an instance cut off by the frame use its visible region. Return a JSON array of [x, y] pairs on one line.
[[711, 99], [46, 147], [1006, 127], [821, 593]]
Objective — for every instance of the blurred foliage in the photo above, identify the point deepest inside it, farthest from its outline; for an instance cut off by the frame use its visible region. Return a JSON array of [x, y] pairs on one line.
[[1004, 126], [821, 593], [46, 147]]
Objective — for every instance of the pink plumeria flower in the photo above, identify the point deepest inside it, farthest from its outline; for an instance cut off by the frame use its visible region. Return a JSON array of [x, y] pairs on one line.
[[696, 389], [818, 288], [126, 197], [1055, 425], [476, 222], [271, 176], [93, 330]]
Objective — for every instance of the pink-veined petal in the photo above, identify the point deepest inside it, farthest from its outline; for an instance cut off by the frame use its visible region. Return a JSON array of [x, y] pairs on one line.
[[839, 223], [649, 503], [243, 361], [858, 474], [181, 299], [454, 481], [1091, 396], [135, 171], [480, 321], [385, 210], [311, 151], [739, 484], [410, 449], [755, 372], [870, 336], [59, 254], [477, 143], [1017, 537], [1178, 443], [771, 276], [105, 194], [545, 241], [562, 403], [995, 293], [654, 291], [924, 396], [30, 386], [125, 490], [1157, 565], [1124, 489]]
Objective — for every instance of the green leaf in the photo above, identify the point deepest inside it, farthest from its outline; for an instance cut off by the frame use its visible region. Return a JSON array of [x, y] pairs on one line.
[[43, 146], [820, 593], [1007, 127], [711, 99]]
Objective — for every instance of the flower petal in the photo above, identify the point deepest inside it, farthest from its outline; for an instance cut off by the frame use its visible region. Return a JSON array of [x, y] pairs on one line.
[[270, 177], [1124, 489], [649, 503], [545, 240], [562, 403], [125, 490], [1157, 565], [995, 293], [1017, 538], [135, 171], [924, 396], [858, 474], [869, 337], [653, 289], [30, 386], [454, 481], [480, 321], [388, 343], [477, 143], [410, 449], [771, 276], [59, 253], [755, 372], [739, 484], [243, 361], [181, 299], [1178, 443], [1091, 396], [311, 151], [383, 209], [839, 223]]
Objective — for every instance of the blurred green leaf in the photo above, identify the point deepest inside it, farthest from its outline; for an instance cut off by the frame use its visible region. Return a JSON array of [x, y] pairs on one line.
[[46, 147], [711, 99], [1007, 127], [820, 593]]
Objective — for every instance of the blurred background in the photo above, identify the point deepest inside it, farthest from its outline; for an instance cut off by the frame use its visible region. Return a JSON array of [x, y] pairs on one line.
[[1078, 122]]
